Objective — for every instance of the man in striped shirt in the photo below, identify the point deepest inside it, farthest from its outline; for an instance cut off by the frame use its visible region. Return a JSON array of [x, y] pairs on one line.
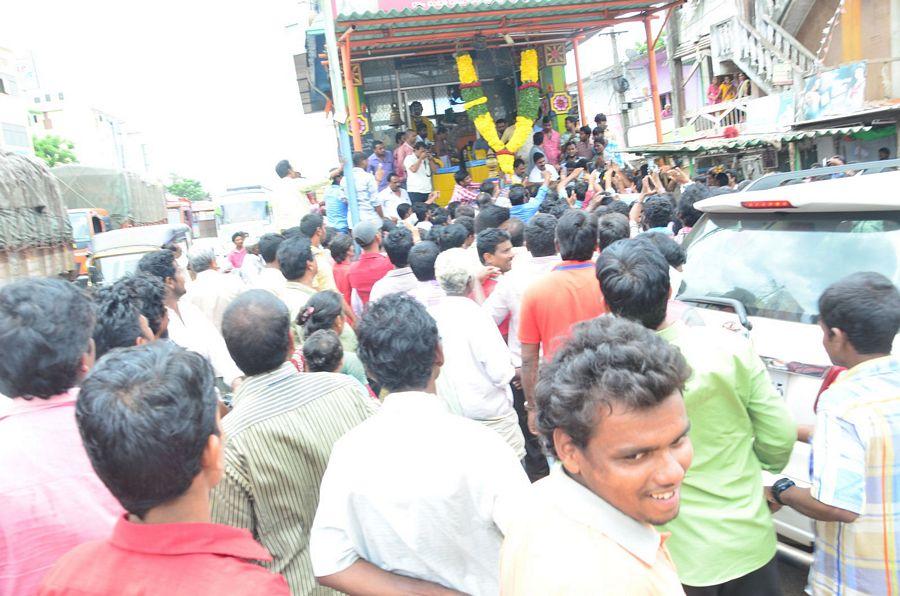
[[853, 496], [279, 436]]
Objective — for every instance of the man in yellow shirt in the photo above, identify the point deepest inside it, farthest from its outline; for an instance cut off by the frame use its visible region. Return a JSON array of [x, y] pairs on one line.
[[609, 408]]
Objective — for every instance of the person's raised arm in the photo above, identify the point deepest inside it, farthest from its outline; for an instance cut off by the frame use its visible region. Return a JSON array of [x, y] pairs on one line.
[[418, 164], [531, 354]]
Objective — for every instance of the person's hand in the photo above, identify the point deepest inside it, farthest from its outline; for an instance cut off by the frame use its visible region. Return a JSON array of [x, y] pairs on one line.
[[433, 196], [379, 173], [532, 421], [517, 379], [546, 176], [646, 186], [774, 505], [487, 272], [679, 176]]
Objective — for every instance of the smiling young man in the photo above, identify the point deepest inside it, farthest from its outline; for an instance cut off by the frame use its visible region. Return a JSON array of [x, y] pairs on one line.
[[609, 408]]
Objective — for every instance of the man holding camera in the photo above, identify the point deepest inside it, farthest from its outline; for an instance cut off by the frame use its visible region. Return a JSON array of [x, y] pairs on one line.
[[419, 167]]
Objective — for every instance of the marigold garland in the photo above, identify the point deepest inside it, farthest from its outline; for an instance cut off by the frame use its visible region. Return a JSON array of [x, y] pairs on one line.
[[476, 108]]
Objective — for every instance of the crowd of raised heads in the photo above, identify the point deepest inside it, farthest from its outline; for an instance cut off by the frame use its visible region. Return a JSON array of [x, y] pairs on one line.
[[496, 396]]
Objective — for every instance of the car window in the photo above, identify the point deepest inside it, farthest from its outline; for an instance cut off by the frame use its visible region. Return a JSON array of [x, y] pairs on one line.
[[779, 264]]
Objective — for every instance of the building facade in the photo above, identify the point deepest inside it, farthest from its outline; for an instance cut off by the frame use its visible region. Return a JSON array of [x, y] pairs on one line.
[[15, 135]]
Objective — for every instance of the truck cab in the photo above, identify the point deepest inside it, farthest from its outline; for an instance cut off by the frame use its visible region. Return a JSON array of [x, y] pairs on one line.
[[86, 223]]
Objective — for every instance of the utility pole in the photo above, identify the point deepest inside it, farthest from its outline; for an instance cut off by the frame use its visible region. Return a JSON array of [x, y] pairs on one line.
[[673, 40], [620, 95]]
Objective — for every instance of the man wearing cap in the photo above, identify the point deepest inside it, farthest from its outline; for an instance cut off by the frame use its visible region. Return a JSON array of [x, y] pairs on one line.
[[236, 256], [372, 265]]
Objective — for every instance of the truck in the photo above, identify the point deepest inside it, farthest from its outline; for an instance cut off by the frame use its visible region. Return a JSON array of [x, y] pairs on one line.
[[35, 234]]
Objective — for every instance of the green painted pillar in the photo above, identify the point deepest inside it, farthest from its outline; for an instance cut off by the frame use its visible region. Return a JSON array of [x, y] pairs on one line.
[[553, 79]]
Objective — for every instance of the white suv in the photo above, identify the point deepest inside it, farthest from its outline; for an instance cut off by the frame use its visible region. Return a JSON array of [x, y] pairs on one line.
[[766, 256]]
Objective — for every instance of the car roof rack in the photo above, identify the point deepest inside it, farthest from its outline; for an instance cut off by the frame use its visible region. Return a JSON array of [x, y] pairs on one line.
[[782, 178]]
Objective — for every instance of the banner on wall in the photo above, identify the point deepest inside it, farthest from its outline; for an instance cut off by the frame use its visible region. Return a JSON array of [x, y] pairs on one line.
[[834, 92]]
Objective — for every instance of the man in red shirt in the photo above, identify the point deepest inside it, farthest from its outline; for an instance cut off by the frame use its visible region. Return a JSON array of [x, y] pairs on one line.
[[372, 265], [149, 419], [341, 248], [567, 295]]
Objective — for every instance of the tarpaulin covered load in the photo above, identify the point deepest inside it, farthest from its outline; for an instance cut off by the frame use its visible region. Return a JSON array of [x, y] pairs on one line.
[[35, 235], [125, 195]]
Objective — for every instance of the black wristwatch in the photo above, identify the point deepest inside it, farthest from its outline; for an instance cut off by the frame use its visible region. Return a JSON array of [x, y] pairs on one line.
[[781, 485]]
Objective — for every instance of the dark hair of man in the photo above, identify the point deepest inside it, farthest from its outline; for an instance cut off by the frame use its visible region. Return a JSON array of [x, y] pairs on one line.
[[866, 307], [452, 206], [515, 227], [145, 415], [671, 251], [657, 212], [576, 235], [537, 138], [421, 260], [403, 210], [572, 119], [559, 208], [452, 236], [585, 129], [465, 211], [148, 294], [440, 216], [322, 351], [398, 138], [420, 209], [722, 179], [339, 247], [618, 206], [397, 246], [517, 194], [540, 235], [607, 361], [268, 246], [634, 279], [321, 311], [310, 224], [398, 341], [518, 162], [487, 187], [294, 255], [460, 175], [330, 233], [538, 155], [687, 213], [159, 263], [491, 216], [292, 232], [256, 327], [484, 199], [580, 189], [419, 145], [600, 118], [360, 160], [118, 319], [45, 328], [377, 143], [610, 228], [282, 168], [432, 234], [468, 222], [499, 120], [488, 240]]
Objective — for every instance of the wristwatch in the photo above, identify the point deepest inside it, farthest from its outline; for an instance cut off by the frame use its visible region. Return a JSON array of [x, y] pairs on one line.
[[781, 485]]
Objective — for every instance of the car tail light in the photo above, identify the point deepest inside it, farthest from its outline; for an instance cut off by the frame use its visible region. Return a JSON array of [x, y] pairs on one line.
[[766, 205]]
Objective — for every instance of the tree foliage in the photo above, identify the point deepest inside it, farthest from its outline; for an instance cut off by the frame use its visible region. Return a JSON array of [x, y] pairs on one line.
[[55, 150], [187, 188]]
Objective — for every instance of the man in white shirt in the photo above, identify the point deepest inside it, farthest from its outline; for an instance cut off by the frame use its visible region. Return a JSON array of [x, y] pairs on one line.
[[292, 202], [270, 278], [212, 290], [418, 173], [414, 498], [397, 245], [188, 326], [537, 172], [506, 301], [392, 196], [366, 190]]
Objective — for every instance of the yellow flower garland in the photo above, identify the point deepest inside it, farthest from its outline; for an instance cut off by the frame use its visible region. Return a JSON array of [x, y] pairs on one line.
[[484, 123]]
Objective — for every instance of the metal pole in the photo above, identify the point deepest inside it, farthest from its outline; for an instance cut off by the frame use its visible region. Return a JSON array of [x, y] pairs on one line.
[[340, 111], [581, 107], [620, 95], [351, 93], [654, 81]]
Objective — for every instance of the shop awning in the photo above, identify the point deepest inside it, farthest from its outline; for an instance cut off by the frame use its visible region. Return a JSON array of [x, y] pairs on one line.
[[389, 27], [708, 145]]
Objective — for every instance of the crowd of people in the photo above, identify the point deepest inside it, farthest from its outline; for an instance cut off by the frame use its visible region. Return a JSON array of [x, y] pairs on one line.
[[500, 395]]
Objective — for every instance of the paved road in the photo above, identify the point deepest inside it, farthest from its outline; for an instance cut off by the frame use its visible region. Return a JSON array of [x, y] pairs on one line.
[[793, 579]]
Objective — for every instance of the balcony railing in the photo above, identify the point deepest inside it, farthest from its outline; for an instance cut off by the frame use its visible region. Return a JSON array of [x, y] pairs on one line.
[[719, 116]]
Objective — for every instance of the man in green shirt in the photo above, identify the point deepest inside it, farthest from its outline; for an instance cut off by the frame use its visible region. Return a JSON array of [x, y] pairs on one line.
[[723, 540]]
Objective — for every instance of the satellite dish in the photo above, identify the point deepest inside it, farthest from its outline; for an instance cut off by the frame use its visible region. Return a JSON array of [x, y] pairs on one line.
[[621, 85]]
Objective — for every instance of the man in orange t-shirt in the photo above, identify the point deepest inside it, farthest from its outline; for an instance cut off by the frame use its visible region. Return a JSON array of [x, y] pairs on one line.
[[567, 295]]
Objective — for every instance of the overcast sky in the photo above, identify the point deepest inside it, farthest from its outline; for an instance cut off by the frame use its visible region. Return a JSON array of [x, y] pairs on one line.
[[210, 84]]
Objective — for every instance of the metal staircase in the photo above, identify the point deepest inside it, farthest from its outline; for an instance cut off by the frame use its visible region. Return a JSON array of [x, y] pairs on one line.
[[770, 56]]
